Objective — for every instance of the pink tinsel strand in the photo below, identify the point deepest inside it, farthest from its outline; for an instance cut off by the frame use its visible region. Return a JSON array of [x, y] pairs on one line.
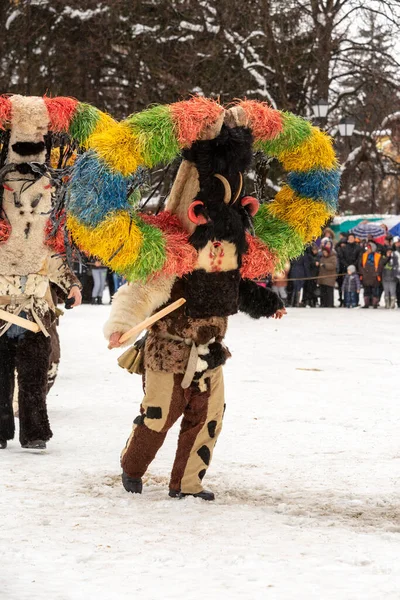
[[264, 121], [258, 261], [61, 110]]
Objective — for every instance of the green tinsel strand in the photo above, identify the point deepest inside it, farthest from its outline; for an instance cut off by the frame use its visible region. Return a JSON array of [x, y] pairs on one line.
[[295, 131], [277, 235], [152, 255], [155, 129], [84, 122]]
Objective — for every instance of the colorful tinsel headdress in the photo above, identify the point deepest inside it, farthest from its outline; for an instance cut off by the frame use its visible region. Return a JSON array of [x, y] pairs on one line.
[[102, 216]]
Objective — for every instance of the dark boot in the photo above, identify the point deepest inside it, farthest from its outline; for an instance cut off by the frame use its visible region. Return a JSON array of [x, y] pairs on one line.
[[367, 301], [99, 300], [375, 302], [131, 484], [204, 495], [35, 445], [94, 301], [3, 444]]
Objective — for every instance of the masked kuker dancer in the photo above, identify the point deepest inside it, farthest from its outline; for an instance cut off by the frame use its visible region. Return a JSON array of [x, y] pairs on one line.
[[32, 131], [200, 249]]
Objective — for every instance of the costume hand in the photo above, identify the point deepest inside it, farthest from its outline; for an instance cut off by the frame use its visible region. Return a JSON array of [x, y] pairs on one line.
[[74, 297], [280, 313], [114, 340]]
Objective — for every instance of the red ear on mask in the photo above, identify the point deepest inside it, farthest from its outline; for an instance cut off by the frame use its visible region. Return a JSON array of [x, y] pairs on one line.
[[251, 204], [196, 219]]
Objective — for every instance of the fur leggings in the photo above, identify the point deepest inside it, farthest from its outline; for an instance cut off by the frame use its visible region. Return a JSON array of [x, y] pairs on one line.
[[29, 355], [164, 402]]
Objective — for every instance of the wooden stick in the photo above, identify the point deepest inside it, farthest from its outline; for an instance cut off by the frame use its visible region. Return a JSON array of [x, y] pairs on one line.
[[10, 318], [134, 332]]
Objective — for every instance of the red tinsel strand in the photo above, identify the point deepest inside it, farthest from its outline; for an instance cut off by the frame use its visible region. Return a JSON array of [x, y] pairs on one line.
[[181, 256], [165, 221], [61, 111], [55, 241], [5, 111], [192, 117], [258, 261], [264, 121], [5, 231]]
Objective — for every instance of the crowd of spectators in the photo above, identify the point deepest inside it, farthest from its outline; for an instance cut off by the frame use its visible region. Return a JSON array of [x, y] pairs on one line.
[[94, 278], [350, 265]]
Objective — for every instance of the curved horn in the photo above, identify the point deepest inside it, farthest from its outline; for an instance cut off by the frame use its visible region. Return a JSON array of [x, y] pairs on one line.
[[251, 204], [239, 188], [225, 183], [196, 219]]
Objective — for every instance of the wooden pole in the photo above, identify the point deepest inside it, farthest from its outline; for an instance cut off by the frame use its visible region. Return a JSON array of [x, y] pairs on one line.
[[134, 332], [10, 318]]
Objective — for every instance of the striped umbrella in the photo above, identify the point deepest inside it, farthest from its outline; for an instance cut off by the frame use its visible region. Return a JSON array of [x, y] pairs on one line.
[[363, 230]]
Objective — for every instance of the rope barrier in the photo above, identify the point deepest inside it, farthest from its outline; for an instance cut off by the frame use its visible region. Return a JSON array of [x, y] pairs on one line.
[[310, 278]]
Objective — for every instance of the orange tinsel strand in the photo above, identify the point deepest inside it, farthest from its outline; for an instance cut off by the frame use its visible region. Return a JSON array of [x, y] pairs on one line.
[[5, 111], [192, 117], [264, 121], [61, 110], [258, 261]]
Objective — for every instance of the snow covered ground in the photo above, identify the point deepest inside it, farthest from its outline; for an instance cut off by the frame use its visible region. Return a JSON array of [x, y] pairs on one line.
[[306, 474]]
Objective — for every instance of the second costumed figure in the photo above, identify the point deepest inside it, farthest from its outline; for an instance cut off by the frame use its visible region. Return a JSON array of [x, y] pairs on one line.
[[207, 247]]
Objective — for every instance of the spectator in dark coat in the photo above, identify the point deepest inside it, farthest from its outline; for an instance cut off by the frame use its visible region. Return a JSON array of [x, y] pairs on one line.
[[300, 268], [342, 238], [387, 244], [370, 269], [390, 272], [310, 285], [350, 253], [351, 287], [342, 267], [327, 273]]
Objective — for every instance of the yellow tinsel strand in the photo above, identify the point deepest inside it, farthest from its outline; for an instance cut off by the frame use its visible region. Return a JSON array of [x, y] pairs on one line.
[[118, 147], [304, 215], [116, 241], [315, 152]]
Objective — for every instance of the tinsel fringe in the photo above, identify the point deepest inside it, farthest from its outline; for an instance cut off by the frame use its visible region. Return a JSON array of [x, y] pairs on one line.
[[84, 123], [116, 241], [154, 129], [117, 147], [304, 215], [315, 152], [61, 111], [5, 111], [95, 191], [258, 261], [277, 235], [192, 117], [264, 121], [318, 184]]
